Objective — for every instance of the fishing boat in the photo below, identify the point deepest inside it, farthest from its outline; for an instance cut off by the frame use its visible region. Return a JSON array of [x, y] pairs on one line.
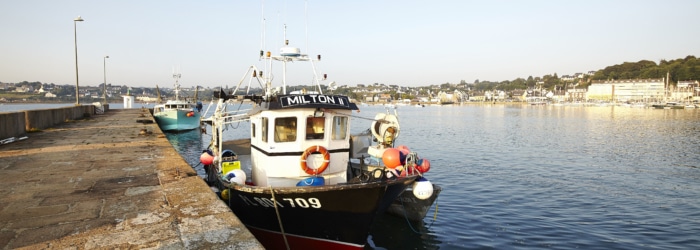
[[287, 180], [177, 114]]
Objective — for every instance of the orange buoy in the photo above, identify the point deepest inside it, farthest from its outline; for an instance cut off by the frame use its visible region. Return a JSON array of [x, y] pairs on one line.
[[404, 149], [424, 166], [391, 158], [206, 158]]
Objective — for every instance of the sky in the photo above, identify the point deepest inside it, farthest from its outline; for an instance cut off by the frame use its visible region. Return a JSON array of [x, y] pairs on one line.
[[407, 43]]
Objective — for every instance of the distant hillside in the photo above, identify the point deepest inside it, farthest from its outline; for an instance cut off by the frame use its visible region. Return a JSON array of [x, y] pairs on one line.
[[679, 70]]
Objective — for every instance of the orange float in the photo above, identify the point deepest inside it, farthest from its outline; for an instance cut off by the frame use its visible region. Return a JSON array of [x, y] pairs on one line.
[[424, 166], [313, 149], [391, 158]]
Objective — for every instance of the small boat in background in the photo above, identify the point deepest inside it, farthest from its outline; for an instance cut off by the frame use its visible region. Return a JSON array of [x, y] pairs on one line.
[[674, 105], [177, 114], [536, 100], [669, 105]]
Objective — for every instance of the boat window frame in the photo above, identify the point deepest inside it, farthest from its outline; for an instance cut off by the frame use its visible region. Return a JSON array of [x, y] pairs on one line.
[[339, 131], [285, 129], [264, 129], [315, 128], [252, 130]]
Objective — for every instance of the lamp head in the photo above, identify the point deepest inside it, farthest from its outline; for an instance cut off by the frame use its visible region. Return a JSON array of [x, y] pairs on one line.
[[78, 19]]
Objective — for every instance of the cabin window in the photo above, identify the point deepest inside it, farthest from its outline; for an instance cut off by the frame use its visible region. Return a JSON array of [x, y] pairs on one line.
[[252, 130], [285, 129], [315, 126], [263, 130], [340, 128]]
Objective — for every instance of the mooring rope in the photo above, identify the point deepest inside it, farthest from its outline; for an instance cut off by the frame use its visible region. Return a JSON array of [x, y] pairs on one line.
[[279, 219], [405, 215]]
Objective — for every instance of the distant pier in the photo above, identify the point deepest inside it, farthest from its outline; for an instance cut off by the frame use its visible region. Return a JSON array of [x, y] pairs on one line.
[[109, 181]]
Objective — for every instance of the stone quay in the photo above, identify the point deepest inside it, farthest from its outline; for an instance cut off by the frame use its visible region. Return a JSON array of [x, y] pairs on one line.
[[109, 181]]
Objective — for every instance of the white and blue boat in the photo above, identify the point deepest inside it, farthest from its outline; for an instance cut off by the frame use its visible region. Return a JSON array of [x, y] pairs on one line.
[[178, 114]]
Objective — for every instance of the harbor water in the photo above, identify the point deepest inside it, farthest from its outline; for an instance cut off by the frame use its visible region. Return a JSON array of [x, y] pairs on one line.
[[533, 177], [541, 177]]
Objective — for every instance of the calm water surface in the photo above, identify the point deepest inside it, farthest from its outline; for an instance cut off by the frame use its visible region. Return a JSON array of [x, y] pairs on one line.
[[533, 177]]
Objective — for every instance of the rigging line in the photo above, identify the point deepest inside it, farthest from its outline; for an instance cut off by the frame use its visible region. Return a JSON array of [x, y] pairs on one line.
[[240, 105]]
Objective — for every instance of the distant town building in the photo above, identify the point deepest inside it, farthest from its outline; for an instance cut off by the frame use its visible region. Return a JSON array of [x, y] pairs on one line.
[[627, 90], [25, 89], [687, 84]]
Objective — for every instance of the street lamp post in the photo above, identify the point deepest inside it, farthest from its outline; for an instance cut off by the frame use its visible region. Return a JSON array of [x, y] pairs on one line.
[[75, 35], [104, 93]]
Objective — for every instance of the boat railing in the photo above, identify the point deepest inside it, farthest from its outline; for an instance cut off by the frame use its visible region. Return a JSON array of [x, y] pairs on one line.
[[236, 112], [230, 119]]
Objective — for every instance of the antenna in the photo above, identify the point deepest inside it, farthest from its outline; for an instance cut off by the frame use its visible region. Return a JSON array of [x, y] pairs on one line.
[[262, 30], [306, 28]]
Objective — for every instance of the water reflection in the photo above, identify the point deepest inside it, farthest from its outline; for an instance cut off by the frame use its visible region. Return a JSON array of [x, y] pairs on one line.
[[393, 232], [189, 144]]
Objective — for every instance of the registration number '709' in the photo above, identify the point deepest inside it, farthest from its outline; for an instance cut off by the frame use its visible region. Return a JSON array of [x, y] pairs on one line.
[[291, 202]]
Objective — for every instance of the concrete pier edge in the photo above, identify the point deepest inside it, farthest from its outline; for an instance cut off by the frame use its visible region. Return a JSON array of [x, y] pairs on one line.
[[109, 181]]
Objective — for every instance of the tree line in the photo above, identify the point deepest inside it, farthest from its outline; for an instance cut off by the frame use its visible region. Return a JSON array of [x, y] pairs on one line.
[[682, 69]]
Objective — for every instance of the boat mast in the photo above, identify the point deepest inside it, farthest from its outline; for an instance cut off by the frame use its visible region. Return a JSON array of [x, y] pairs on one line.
[[177, 84], [158, 94], [284, 63]]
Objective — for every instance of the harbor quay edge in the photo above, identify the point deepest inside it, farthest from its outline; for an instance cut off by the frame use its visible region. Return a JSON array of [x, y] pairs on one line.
[[111, 180]]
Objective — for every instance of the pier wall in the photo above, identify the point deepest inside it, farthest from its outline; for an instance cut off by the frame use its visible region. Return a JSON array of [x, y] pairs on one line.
[[11, 124], [14, 124]]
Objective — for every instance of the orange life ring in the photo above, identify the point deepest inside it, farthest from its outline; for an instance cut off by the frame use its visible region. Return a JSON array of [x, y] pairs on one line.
[[309, 151]]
